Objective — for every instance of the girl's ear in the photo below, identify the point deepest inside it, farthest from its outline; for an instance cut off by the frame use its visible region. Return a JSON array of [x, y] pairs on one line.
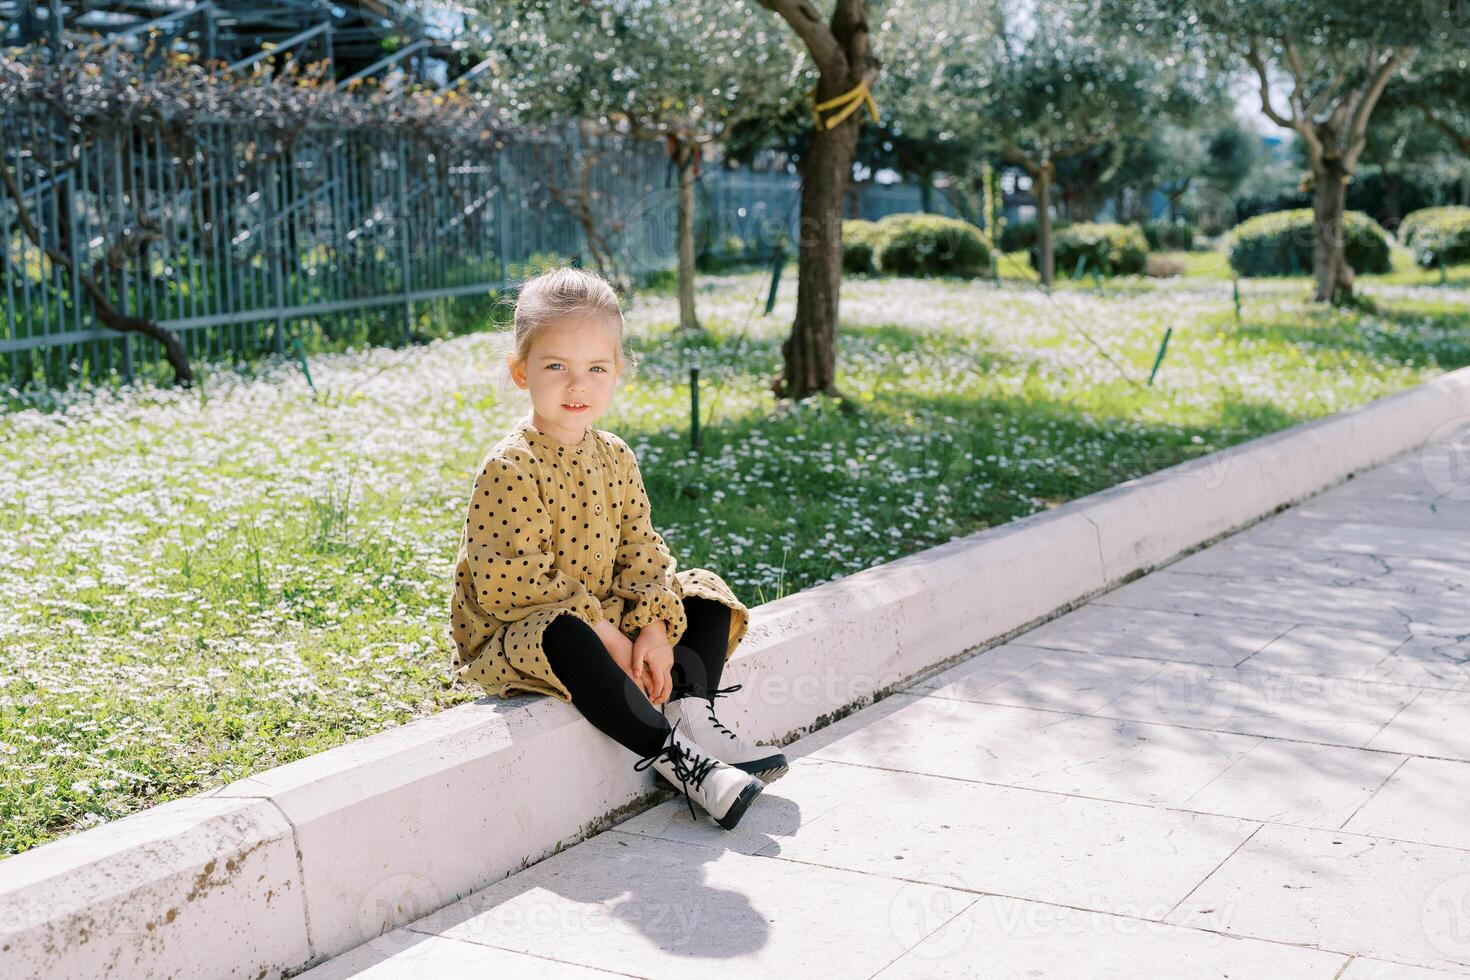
[[516, 369]]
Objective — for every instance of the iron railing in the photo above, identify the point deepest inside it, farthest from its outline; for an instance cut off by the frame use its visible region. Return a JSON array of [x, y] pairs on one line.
[[239, 241]]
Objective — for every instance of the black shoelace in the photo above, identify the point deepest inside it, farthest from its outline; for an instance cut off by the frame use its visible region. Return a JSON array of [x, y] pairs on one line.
[[719, 692], [687, 771]]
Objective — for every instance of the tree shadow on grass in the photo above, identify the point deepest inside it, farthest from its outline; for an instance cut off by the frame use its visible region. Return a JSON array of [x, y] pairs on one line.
[[813, 491], [1394, 335]]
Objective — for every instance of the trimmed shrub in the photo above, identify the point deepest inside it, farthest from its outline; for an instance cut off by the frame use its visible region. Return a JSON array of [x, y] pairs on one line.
[[1113, 250], [1280, 244], [1437, 236], [1158, 267], [930, 245], [859, 243], [1020, 236], [1169, 236]]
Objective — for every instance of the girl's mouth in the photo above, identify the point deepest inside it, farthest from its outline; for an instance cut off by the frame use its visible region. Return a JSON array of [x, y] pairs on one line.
[[573, 407]]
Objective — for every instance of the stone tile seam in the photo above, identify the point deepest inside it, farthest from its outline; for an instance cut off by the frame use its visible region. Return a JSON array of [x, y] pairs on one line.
[[1132, 803], [311, 951], [1220, 731], [1242, 665], [521, 952], [924, 938], [981, 893], [1386, 780], [1233, 851]]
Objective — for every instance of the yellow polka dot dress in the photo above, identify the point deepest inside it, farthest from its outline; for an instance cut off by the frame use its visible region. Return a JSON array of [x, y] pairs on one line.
[[553, 528]]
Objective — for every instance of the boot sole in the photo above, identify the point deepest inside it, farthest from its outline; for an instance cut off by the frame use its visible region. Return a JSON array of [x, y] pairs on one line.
[[768, 769], [737, 809]]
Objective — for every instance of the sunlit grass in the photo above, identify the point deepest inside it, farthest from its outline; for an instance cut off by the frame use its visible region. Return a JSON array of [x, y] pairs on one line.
[[198, 586]]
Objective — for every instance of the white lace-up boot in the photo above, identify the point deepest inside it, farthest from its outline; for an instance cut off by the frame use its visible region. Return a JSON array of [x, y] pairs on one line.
[[724, 791], [694, 716]]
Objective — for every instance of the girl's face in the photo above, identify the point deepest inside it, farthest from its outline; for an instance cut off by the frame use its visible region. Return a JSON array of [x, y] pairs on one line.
[[572, 363]]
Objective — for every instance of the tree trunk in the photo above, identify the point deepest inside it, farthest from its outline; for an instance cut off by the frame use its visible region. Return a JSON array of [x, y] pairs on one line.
[[687, 318], [1392, 216], [1041, 190], [810, 353], [926, 193], [1329, 261]]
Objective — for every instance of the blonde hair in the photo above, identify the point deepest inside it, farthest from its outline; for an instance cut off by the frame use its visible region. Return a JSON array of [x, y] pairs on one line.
[[551, 297]]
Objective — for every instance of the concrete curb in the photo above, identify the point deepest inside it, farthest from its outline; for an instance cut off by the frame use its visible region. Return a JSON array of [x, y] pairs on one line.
[[275, 873]]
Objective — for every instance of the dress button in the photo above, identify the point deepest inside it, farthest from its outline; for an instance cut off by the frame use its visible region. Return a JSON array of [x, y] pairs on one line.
[[597, 557], [597, 508]]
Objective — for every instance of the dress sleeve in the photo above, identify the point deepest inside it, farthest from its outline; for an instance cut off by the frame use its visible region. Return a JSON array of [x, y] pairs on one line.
[[643, 572], [509, 540]]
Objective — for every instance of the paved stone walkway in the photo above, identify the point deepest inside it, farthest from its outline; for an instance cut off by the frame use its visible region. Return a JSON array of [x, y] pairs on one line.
[[1252, 763]]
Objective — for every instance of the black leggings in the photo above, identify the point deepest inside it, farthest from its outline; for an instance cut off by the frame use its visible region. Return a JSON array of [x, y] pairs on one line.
[[609, 698]]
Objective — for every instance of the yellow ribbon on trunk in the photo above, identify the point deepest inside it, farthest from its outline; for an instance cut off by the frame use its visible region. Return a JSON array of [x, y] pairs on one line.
[[858, 95]]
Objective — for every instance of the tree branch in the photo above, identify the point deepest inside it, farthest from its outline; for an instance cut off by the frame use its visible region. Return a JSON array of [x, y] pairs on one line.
[[1461, 139], [1294, 62], [1253, 56], [1358, 130], [1021, 159], [806, 20], [111, 316]]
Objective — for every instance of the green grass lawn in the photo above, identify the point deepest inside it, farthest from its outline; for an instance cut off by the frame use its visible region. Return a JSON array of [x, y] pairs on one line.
[[198, 586]]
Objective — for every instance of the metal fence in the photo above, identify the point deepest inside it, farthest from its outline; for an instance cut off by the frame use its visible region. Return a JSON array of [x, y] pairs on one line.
[[755, 206], [240, 242]]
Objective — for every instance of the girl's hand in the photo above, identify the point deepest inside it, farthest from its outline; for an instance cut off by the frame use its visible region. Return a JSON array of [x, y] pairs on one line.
[[654, 658], [620, 648]]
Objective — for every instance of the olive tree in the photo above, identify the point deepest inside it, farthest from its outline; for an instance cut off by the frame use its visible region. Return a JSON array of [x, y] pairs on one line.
[[1066, 86], [1319, 69], [683, 73], [841, 49]]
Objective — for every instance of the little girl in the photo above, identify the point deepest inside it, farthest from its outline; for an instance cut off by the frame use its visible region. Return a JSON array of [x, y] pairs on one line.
[[563, 587]]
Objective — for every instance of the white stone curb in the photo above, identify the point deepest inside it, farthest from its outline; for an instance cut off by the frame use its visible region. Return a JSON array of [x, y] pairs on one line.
[[273, 874]]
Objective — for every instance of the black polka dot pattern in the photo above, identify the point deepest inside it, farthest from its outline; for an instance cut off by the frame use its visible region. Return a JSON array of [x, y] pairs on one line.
[[552, 528]]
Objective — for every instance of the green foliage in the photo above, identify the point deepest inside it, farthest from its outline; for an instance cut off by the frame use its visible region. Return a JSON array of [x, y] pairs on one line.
[[535, 264], [729, 251], [660, 280], [859, 243], [1169, 236], [1020, 236], [931, 245], [1113, 250], [1437, 236], [1280, 244]]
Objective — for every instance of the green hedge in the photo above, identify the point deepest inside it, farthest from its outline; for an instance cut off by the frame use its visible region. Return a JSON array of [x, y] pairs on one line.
[[1113, 250], [930, 245], [1280, 244], [1020, 236], [859, 246], [1437, 236], [1169, 236]]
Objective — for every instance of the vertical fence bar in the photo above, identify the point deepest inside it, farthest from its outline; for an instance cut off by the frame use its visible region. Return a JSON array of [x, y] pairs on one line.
[[11, 266], [270, 230], [404, 246], [119, 202], [502, 243]]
